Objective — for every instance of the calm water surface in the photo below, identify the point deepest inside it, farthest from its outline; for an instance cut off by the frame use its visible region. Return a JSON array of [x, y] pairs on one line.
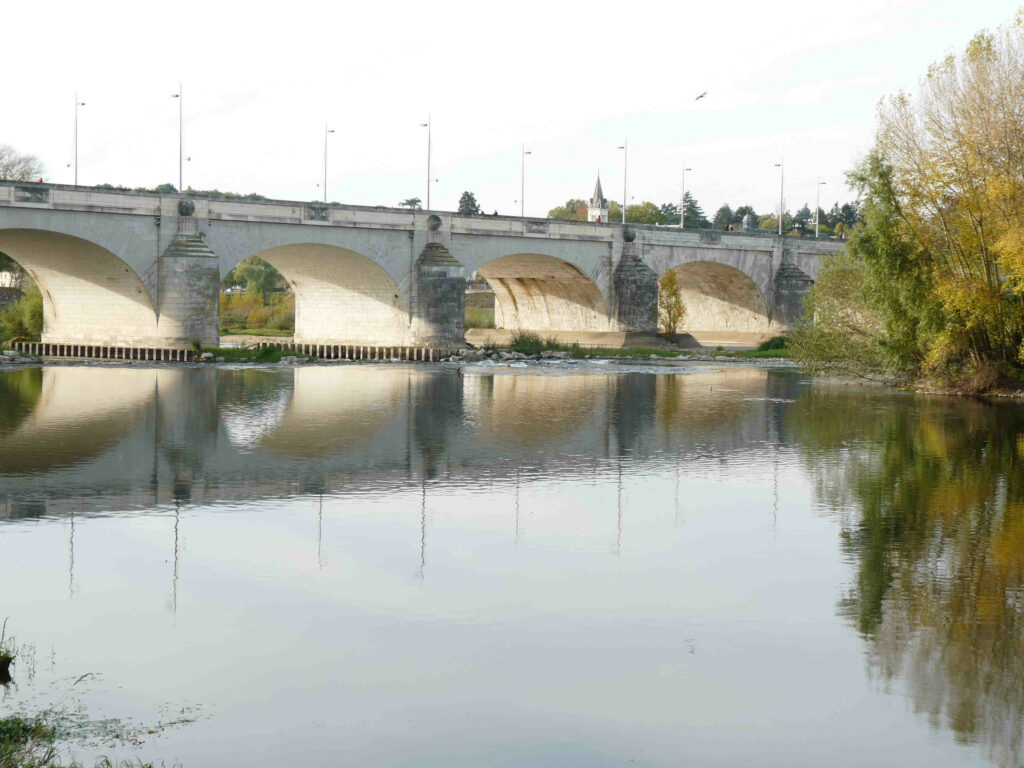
[[593, 565]]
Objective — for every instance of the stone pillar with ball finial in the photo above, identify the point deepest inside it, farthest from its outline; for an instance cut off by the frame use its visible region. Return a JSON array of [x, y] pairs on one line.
[[188, 286], [636, 288], [439, 293]]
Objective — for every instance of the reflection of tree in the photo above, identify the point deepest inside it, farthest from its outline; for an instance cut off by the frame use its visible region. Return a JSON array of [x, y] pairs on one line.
[[936, 489], [19, 392]]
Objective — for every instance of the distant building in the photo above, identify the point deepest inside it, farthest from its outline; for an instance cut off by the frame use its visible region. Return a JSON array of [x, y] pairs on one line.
[[598, 208]]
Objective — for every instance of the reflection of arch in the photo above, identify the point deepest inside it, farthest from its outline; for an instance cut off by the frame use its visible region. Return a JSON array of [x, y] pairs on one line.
[[720, 298], [89, 294], [81, 412], [341, 294], [330, 415], [537, 292], [532, 411]]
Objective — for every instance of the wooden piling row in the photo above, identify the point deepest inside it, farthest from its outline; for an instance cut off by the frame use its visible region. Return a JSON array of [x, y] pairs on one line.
[[103, 352], [360, 352]]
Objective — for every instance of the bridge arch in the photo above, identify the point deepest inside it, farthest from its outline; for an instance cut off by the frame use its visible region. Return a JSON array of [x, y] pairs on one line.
[[534, 291], [340, 293], [723, 300], [90, 294]]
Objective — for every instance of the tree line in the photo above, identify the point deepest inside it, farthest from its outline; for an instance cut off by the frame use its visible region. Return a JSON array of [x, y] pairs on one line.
[[838, 220]]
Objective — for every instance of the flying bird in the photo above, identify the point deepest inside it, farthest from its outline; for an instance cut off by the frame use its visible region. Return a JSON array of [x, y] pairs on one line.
[[701, 96]]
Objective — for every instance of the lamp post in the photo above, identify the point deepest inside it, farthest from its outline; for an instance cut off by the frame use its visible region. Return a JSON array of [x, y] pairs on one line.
[[326, 131], [682, 198], [782, 181], [77, 105], [817, 205], [625, 175], [181, 135], [522, 184], [427, 126]]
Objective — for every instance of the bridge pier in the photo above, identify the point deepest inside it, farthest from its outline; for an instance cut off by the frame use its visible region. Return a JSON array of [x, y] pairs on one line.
[[188, 286], [438, 295], [636, 289]]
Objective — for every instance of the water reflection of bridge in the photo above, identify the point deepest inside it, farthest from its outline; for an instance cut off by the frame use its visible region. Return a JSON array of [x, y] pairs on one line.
[[85, 440]]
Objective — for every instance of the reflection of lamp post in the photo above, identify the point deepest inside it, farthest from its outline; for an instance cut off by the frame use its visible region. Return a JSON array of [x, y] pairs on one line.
[[77, 105], [522, 184], [817, 205], [625, 175], [181, 135], [782, 182], [682, 199], [427, 126], [326, 131]]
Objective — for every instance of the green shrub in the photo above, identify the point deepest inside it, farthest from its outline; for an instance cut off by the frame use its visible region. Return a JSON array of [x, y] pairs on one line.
[[775, 342], [526, 343], [24, 318]]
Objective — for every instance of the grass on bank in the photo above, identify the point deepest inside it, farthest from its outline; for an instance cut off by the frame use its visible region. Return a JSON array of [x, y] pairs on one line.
[[241, 354], [31, 743], [241, 330], [529, 343]]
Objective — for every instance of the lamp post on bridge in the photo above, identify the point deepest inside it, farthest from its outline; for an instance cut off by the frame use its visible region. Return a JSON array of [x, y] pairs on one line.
[[326, 131], [522, 183], [181, 136], [817, 205], [77, 105], [682, 198], [625, 175], [782, 182], [427, 126]]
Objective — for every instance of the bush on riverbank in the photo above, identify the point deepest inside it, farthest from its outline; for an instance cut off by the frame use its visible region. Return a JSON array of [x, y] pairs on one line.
[[256, 311], [930, 288], [24, 318], [479, 317]]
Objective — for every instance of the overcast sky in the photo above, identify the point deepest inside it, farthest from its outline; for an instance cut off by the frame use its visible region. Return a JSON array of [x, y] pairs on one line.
[[792, 81]]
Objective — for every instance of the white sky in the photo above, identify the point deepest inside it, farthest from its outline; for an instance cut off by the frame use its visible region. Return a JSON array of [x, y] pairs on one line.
[[797, 81]]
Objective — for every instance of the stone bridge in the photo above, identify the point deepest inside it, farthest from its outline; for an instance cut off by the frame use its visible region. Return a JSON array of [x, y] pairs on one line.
[[135, 269]]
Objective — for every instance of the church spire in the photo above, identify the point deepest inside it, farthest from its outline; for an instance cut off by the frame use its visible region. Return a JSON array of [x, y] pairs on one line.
[[598, 201], [598, 208]]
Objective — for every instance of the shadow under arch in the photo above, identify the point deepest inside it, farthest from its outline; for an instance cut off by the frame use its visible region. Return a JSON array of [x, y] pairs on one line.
[[340, 294], [537, 292], [89, 294], [719, 297]]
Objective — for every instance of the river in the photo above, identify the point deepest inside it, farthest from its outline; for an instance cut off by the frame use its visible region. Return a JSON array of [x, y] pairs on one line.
[[590, 564]]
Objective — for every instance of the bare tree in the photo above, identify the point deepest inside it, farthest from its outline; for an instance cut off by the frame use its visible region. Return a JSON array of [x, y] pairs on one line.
[[16, 166]]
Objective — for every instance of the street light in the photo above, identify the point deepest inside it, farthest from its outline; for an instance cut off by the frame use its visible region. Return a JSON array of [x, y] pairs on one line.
[[181, 135], [817, 205], [625, 175], [427, 126], [782, 181], [326, 131], [522, 184], [77, 105], [682, 198]]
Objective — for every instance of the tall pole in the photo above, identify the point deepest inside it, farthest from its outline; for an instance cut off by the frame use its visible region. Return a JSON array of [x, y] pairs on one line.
[[522, 184], [625, 175], [77, 105], [427, 126], [181, 135], [782, 185], [817, 206], [682, 198], [326, 131]]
